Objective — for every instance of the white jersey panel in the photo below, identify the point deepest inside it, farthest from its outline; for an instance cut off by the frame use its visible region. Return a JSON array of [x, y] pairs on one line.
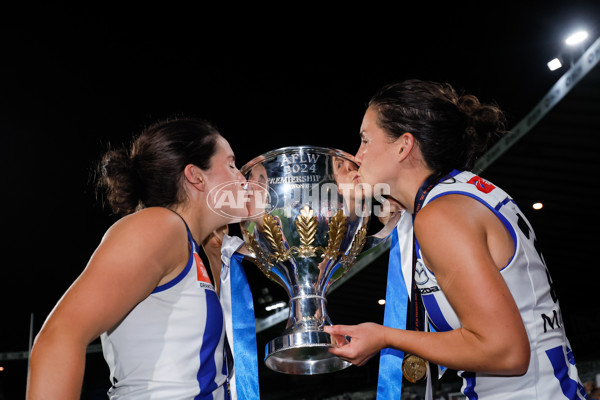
[[552, 373], [170, 346]]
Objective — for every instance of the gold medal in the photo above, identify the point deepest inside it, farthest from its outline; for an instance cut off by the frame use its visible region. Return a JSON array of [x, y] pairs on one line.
[[414, 368]]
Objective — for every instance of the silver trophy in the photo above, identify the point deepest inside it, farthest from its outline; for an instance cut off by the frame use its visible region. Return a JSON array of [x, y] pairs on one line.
[[307, 225]]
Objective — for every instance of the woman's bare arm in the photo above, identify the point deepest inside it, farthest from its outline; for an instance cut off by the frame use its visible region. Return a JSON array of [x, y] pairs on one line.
[[131, 260]]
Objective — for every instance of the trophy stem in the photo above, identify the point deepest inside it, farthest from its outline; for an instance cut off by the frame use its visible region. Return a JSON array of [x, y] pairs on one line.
[[307, 313], [304, 348]]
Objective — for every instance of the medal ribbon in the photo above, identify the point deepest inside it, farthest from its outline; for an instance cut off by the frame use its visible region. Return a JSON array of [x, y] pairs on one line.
[[389, 382], [238, 310], [401, 265], [417, 313], [417, 310]]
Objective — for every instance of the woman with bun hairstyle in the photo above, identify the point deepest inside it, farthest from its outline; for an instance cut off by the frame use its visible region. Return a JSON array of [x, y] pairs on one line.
[[145, 290], [491, 311]]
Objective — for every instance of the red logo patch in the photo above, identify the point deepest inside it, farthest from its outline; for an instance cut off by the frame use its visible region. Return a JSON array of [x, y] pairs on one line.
[[481, 184], [201, 270]]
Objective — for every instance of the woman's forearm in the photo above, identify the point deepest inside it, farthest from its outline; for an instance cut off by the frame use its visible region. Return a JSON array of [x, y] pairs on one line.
[[56, 368], [461, 349]]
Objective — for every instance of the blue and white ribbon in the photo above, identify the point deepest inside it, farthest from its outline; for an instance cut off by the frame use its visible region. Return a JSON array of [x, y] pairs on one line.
[[240, 326], [389, 383]]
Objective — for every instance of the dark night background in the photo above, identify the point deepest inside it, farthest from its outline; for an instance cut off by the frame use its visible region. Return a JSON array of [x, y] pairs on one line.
[[75, 79]]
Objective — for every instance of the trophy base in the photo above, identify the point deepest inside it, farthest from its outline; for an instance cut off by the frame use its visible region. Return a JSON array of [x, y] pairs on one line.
[[303, 353]]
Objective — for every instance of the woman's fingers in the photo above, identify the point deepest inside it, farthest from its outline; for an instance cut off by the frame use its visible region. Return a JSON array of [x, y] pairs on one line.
[[339, 334], [365, 341]]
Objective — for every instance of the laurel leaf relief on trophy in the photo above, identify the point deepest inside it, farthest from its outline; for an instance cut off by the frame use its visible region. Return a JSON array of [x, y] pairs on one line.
[[306, 226], [337, 231]]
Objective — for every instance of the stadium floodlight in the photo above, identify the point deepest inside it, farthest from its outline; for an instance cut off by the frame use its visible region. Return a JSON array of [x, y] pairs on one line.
[[576, 38], [554, 64]]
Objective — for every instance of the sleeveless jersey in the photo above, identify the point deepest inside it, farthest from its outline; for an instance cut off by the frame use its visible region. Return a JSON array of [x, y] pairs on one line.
[[170, 346], [552, 373]]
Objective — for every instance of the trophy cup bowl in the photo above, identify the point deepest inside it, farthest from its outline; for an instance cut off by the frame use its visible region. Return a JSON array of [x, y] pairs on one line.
[[307, 224]]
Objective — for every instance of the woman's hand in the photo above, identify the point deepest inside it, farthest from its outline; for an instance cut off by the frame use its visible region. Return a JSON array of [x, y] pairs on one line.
[[366, 340]]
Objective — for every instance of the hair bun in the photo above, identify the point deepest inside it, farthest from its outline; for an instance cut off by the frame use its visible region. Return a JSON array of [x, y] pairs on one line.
[[468, 103], [484, 125], [119, 178]]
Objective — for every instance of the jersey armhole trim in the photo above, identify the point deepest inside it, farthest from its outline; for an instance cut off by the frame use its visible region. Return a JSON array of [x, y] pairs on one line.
[[185, 271], [498, 215]]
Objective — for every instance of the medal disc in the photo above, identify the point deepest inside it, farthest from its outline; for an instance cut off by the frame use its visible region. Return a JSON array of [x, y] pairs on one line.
[[414, 368]]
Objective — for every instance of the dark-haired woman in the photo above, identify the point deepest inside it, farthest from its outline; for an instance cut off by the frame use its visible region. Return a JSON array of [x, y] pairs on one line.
[[145, 290], [484, 284]]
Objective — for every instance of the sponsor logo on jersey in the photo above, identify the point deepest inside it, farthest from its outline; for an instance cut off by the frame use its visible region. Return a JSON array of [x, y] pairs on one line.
[[429, 290], [421, 277], [205, 285], [481, 184], [201, 272]]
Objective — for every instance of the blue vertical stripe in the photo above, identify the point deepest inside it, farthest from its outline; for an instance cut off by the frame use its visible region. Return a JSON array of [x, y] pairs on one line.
[[389, 383], [557, 358], [244, 332], [580, 387], [213, 330], [469, 385], [435, 314]]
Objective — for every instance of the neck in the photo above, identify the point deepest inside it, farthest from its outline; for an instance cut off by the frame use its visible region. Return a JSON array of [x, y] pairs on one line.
[[202, 222], [408, 185]]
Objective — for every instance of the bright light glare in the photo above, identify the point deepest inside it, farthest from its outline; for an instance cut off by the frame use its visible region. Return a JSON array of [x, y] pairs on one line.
[[576, 38], [275, 306], [381, 302], [554, 64], [537, 206]]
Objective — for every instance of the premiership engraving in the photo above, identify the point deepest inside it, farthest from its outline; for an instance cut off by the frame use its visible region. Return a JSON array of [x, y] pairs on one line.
[[299, 163], [295, 179]]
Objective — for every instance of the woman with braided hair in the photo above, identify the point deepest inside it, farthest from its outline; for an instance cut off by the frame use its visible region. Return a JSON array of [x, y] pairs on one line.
[[481, 298]]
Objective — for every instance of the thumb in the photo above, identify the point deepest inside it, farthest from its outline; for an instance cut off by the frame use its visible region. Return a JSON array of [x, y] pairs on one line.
[[338, 329], [338, 338]]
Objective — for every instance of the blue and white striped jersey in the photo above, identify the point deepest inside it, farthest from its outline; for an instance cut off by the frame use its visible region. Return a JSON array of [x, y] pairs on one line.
[[170, 346], [552, 373]]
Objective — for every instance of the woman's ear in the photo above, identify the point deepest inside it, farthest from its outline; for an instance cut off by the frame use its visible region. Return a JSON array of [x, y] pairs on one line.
[[405, 144], [194, 176]]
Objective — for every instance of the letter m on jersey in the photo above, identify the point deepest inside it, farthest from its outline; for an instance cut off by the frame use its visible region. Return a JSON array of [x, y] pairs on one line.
[[552, 322]]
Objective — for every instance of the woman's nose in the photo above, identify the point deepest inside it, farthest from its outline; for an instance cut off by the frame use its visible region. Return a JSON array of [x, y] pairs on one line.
[[242, 178], [358, 157]]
